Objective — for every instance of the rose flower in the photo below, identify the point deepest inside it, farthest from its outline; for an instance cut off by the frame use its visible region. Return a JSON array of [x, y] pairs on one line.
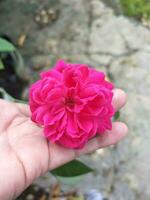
[[73, 102]]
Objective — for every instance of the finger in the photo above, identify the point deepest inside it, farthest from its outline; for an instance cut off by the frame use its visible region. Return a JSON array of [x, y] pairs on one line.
[[119, 99], [118, 132]]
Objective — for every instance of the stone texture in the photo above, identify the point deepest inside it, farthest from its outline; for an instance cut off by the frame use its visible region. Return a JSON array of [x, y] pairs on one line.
[[103, 34], [90, 31]]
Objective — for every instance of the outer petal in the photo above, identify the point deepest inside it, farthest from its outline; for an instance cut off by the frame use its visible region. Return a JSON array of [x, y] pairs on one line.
[[104, 124], [51, 74], [73, 143], [61, 65], [96, 77], [52, 134]]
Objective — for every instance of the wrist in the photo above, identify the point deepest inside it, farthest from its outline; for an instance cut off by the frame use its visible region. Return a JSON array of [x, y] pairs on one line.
[[11, 182]]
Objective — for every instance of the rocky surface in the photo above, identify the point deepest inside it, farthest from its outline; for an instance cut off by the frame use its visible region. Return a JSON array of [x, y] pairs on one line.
[[90, 31]]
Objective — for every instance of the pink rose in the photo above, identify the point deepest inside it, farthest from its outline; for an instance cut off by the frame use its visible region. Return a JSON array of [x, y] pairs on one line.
[[73, 102]]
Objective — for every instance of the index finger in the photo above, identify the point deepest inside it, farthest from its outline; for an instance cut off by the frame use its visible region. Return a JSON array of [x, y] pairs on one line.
[[119, 99]]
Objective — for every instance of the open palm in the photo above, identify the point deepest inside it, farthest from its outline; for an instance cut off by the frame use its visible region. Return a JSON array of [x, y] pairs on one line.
[[25, 154]]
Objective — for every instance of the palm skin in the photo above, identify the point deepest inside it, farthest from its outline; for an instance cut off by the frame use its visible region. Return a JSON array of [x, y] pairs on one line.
[[25, 154]]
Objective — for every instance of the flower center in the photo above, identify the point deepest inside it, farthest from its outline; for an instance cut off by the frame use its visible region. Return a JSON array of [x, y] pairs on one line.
[[69, 102]]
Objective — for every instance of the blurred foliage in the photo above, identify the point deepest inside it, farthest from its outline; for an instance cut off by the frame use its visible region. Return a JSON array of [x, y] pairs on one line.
[[55, 192], [8, 97], [1, 65], [140, 9], [12, 68], [5, 95], [6, 46]]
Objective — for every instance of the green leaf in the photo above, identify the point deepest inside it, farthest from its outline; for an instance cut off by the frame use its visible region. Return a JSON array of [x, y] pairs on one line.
[[18, 63], [72, 169], [117, 115], [1, 65], [6, 46]]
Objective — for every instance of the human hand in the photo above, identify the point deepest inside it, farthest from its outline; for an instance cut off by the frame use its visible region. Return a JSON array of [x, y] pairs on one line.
[[25, 154]]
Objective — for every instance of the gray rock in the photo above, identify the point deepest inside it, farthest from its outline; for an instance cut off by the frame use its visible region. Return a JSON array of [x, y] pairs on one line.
[[132, 72], [93, 195], [134, 35], [90, 32], [122, 192], [105, 38]]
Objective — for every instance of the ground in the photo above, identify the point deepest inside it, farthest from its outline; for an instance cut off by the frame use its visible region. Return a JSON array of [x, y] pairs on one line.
[[96, 33]]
